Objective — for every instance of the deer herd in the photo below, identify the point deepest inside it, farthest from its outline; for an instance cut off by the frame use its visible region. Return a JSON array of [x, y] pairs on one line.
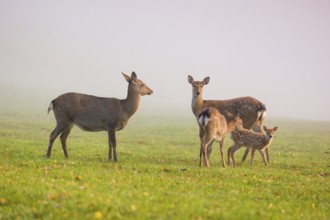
[[241, 117]]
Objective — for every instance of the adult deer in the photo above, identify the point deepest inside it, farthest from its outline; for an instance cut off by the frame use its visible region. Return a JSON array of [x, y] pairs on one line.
[[251, 111], [91, 113]]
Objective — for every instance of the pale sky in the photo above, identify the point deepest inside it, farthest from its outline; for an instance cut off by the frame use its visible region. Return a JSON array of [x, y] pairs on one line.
[[276, 51]]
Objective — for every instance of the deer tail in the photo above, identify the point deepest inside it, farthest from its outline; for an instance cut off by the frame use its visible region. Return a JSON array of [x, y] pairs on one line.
[[204, 117], [51, 105]]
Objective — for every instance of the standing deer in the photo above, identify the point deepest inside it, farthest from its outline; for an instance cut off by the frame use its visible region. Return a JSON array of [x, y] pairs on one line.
[[251, 111], [254, 140], [91, 113], [215, 128]]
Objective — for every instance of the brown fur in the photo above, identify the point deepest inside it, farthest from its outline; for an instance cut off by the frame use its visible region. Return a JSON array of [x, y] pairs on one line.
[[254, 140], [251, 110], [215, 128], [92, 113]]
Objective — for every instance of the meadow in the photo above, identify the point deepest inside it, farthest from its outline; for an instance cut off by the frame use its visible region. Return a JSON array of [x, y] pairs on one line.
[[157, 175]]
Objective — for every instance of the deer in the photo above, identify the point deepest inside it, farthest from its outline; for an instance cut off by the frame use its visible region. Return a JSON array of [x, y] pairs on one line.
[[215, 128], [92, 113], [252, 112], [254, 140]]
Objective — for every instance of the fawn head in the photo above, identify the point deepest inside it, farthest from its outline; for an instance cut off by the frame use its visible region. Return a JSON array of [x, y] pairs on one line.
[[137, 85], [238, 121], [198, 85], [234, 121], [269, 132]]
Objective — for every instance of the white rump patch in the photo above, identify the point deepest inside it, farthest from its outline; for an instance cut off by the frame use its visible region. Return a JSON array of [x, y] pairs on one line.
[[261, 114], [203, 121]]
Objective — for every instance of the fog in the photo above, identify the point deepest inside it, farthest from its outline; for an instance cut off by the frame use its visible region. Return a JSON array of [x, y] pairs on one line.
[[275, 51]]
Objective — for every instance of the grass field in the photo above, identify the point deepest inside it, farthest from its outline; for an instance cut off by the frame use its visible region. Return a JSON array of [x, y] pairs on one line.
[[157, 174]]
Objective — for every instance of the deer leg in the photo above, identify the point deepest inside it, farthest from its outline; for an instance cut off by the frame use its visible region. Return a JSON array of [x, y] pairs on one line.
[[206, 161], [267, 154], [201, 155], [58, 130], [245, 154], [209, 150], [233, 157], [252, 155], [263, 156], [205, 143], [221, 151], [201, 134], [256, 127], [112, 146], [233, 150], [229, 153], [64, 137]]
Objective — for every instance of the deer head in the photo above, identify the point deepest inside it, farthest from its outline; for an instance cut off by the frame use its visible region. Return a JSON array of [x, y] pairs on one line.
[[137, 85], [269, 132], [198, 85]]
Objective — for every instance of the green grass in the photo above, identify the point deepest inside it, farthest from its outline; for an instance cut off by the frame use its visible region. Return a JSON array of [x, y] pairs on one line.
[[157, 174]]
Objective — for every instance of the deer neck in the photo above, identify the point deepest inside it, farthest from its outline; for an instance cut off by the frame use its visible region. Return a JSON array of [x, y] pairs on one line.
[[131, 103], [266, 143], [231, 125], [197, 104]]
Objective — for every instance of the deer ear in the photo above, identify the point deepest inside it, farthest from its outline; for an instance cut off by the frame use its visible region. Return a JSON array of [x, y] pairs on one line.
[[265, 128], [128, 79], [206, 80], [275, 128], [190, 79], [133, 76]]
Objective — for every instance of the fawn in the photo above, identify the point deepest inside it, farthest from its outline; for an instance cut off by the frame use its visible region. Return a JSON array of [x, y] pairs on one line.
[[214, 127], [247, 138]]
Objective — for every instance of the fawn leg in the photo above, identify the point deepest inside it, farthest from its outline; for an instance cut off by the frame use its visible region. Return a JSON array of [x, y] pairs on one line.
[[229, 154], [263, 156], [201, 155], [245, 154], [209, 150], [233, 150], [267, 154], [221, 152], [206, 162], [252, 155]]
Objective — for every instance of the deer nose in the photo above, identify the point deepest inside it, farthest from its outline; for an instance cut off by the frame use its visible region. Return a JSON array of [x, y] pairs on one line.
[[150, 92], [198, 93]]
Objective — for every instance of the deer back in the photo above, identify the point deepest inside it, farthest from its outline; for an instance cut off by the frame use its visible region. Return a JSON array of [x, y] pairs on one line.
[[213, 123], [88, 112], [247, 107]]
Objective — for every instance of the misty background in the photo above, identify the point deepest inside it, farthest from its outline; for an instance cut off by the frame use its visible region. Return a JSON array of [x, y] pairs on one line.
[[275, 51]]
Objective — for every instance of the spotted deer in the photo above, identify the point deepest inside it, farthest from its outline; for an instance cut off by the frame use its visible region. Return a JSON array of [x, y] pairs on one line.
[[255, 140], [214, 127], [251, 111], [91, 113]]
